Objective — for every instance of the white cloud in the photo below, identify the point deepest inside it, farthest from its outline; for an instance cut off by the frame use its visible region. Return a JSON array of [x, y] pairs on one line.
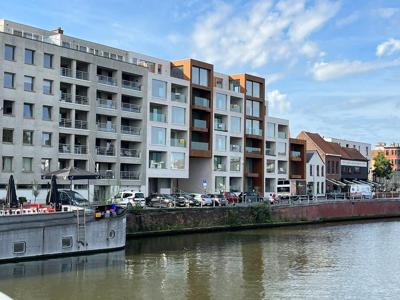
[[264, 32], [348, 20], [387, 12], [273, 77], [388, 48], [325, 71], [278, 101]]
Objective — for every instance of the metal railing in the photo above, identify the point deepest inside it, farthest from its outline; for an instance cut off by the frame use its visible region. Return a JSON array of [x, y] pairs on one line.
[[80, 149], [81, 124], [133, 85], [107, 151], [130, 175], [130, 152], [107, 127], [65, 97], [130, 107], [65, 123], [106, 103], [66, 72], [80, 99], [106, 80], [106, 174], [82, 75], [64, 148], [130, 130]]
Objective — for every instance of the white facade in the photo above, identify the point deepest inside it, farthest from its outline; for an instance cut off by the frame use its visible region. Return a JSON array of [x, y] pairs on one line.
[[363, 148], [315, 170]]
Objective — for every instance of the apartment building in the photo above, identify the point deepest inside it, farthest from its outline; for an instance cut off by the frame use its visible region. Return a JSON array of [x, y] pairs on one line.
[[297, 166], [139, 122], [391, 152]]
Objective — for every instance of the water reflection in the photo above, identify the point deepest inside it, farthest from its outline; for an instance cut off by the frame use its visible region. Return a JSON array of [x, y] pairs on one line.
[[356, 260]]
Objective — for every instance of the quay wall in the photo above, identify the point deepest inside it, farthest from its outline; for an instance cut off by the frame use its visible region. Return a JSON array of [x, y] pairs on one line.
[[177, 221]]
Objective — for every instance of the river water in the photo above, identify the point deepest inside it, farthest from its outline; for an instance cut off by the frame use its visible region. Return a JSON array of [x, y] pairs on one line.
[[334, 261]]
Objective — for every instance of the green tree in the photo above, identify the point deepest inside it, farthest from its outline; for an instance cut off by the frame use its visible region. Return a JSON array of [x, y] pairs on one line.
[[383, 167], [35, 189]]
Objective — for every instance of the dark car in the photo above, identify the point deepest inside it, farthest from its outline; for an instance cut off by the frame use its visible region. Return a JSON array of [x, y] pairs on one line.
[[70, 197], [250, 197], [181, 200]]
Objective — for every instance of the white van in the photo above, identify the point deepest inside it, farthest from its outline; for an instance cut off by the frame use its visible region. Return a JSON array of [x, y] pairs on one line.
[[130, 199], [361, 191]]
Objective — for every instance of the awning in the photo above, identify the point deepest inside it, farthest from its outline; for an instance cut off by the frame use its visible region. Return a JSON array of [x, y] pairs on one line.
[[336, 182]]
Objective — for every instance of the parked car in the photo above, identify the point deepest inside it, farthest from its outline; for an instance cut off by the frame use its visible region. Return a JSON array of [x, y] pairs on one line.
[[69, 197], [130, 199], [181, 200], [159, 200], [219, 199], [204, 200], [192, 200], [231, 197]]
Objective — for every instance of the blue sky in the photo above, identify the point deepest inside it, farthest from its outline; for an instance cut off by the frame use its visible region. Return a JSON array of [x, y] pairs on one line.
[[332, 67]]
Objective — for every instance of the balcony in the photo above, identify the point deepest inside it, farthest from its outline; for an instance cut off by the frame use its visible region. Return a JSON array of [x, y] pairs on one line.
[[83, 100], [254, 131], [67, 123], [107, 151], [82, 75], [236, 108], [178, 97], [106, 103], [81, 124], [130, 175], [132, 85], [80, 149], [130, 153], [66, 72], [106, 80], [130, 107], [157, 117], [254, 150], [66, 97], [178, 142], [203, 146], [282, 135], [220, 126], [64, 148], [106, 174], [157, 164], [200, 101], [295, 155], [130, 130], [220, 167], [270, 151], [107, 127], [197, 123], [236, 148]]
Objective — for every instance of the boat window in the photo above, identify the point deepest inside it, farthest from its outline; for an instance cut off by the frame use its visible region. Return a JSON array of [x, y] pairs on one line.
[[67, 242], [19, 247], [112, 234]]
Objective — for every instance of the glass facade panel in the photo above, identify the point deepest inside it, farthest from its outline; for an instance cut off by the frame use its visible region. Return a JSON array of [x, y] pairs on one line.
[[8, 80], [158, 136], [221, 101], [27, 164], [178, 115], [9, 52], [177, 160], [29, 56], [236, 125], [271, 130], [220, 143], [48, 60], [159, 88]]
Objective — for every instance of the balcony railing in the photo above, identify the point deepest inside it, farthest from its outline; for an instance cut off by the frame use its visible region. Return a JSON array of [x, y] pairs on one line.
[[157, 117], [178, 142], [270, 152], [130, 175], [154, 164], [66, 72], [80, 149], [81, 124], [200, 123], [106, 103], [282, 135], [220, 126], [130, 130], [130, 107], [82, 75], [235, 167], [130, 152], [107, 151], [107, 127], [295, 154], [80, 99], [106, 80], [282, 170], [178, 97], [64, 148], [65, 97], [254, 131], [236, 148], [106, 174], [65, 123], [200, 101], [220, 167], [133, 85], [200, 146], [253, 150], [236, 108], [270, 169]]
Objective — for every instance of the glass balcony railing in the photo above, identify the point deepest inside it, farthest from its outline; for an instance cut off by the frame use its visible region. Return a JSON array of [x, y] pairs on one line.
[[125, 129], [106, 174], [64, 148], [107, 151], [200, 123], [106, 103], [282, 170], [282, 135], [295, 154], [157, 117], [130, 152], [220, 126], [220, 167], [130, 175], [199, 146], [236, 148], [236, 108], [270, 152], [253, 150], [235, 167], [82, 75], [178, 142], [254, 131], [130, 107], [107, 127], [133, 85], [106, 80], [200, 101], [178, 97]]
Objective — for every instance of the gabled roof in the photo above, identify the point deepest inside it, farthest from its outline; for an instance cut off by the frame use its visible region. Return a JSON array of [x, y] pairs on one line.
[[353, 154], [326, 147], [310, 154]]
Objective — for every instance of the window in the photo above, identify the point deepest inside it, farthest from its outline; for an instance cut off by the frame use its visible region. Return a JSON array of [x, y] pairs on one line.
[[253, 127], [177, 160], [220, 183], [46, 139], [158, 136], [271, 130], [28, 83], [252, 89], [218, 82], [159, 88], [29, 57], [9, 52], [27, 137], [46, 113], [9, 80], [7, 164], [235, 164], [8, 108], [221, 101], [66, 242], [48, 61], [253, 108], [28, 111], [200, 76], [27, 164], [317, 187], [270, 166], [270, 148], [220, 143], [322, 187], [47, 87], [156, 160], [8, 135], [337, 167], [178, 115], [281, 148], [19, 247], [236, 125], [317, 170], [322, 170], [311, 170], [45, 165]]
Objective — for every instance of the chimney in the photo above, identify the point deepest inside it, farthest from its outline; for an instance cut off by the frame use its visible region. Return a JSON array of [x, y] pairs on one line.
[[58, 30]]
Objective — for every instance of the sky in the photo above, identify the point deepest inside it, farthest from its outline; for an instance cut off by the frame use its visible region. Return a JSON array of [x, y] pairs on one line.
[[331, 66]]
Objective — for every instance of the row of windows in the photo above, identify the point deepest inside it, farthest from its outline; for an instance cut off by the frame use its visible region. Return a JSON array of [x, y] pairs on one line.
[[29, 83], [29, 56], [157, 160], [317, 168], [27, 164], [28, 112], [332, 167], [20, 247], [27, 137]]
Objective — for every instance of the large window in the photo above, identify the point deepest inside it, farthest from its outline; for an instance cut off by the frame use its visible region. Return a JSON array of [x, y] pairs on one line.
[[48, 61], [281, 148], [252, 89], [27, 137], [236, 124], [178, 115], [28, 111], [28, 83], [47, 87], [220, 143], [253, 108], [7, 164], [9, 52], [27, 164], [46, 113], [177, 160], [200, 76], [221, 102], [158, 136], [235, 164], [159, 88], [8, 135], [9, 80], [270, 166], [253, 127], [8, 108], [46, 139], [29, 57], [220, 183], [271, 130]]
